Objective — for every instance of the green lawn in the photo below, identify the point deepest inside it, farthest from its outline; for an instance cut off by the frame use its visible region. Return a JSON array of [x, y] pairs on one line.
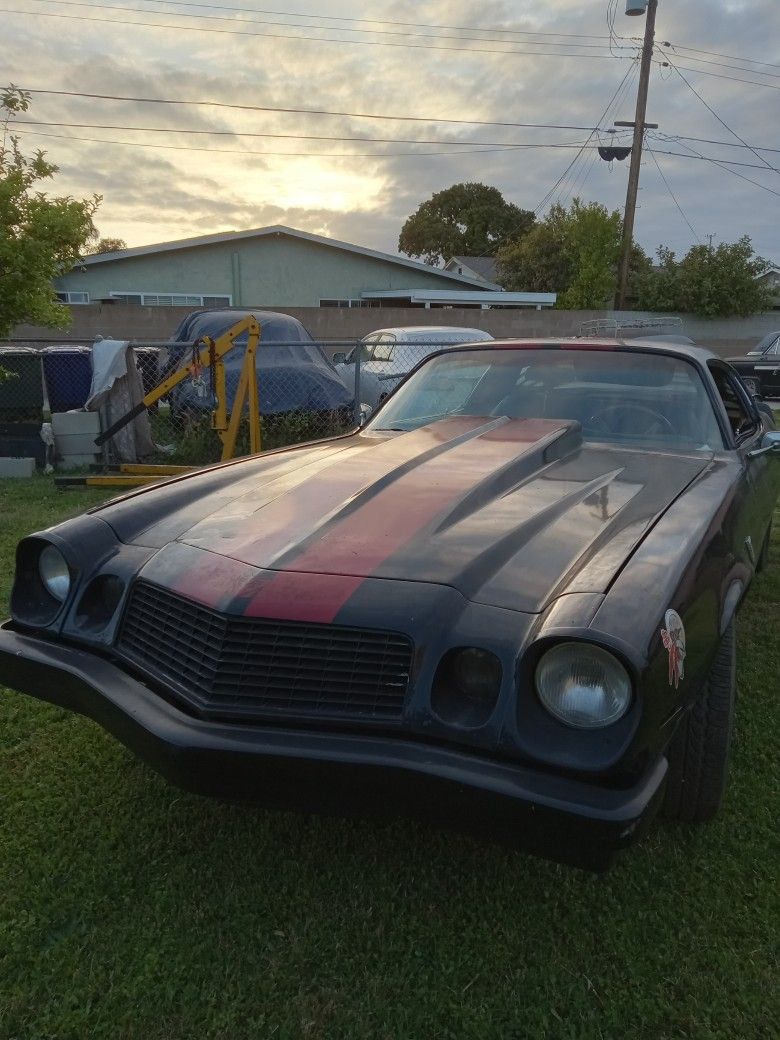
[[129, 909]]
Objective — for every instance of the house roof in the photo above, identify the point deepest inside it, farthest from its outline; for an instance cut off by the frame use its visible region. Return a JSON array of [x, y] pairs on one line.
[[483, 294], [274, 229], [484, 266]]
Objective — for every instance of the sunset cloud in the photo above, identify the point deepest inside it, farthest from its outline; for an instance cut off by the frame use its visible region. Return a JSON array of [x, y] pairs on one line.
[[362, 190]]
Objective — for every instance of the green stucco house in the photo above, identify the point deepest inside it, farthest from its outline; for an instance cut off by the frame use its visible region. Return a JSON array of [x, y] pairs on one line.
[[268, 267]]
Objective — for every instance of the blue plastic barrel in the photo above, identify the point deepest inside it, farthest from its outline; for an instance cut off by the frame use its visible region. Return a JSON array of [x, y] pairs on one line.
[[21, 396], [67, 371]]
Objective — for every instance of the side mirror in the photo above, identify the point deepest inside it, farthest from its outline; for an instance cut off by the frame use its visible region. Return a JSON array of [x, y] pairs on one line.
[[339, 358], [770, 445], [365, 413]]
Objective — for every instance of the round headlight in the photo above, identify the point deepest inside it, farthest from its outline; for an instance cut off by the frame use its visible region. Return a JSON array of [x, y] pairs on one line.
[[54, 573], [583, 685]]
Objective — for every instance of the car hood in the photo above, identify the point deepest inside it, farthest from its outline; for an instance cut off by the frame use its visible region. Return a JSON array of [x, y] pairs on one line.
[[510, 513]]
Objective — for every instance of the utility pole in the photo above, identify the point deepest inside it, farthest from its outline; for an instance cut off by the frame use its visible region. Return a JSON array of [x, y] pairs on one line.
[[636, 151]]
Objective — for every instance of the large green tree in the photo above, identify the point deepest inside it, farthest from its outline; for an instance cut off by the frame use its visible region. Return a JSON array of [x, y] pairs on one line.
[[572, 252], [463, 220], [719, 282], [108, 245], [41, 236]]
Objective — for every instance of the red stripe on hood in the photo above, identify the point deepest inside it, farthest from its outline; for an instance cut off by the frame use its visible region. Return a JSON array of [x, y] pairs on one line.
[[295, 596], [323, 576], [211, 579]]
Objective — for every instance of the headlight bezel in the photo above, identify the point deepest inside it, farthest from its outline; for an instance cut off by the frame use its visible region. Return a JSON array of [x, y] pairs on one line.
[[600, 656], [455, 699], [32, 602]]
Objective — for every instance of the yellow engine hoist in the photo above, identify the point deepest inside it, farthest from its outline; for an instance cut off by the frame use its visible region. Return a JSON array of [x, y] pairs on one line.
[[207, 353]]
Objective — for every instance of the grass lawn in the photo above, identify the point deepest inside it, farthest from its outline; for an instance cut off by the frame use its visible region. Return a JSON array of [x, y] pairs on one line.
[[131, 910]]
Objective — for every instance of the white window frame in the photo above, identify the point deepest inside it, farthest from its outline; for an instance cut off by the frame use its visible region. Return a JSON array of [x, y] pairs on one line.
[[143, 297], [342, 302], [69, 294]]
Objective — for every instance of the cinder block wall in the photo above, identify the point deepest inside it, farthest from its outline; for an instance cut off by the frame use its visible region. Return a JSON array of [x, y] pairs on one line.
[[724, 336]]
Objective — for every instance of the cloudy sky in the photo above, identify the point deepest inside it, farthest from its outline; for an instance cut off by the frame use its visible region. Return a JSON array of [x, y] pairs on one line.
[[416, 60]]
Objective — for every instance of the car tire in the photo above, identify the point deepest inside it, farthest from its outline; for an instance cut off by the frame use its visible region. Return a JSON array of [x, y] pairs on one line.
[[699, 753]]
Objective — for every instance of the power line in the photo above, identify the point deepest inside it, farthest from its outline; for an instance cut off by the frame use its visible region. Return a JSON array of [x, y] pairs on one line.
[[719, 54], [601, 118], [573, 174], [732, 68], [722, 121], [724, 165], [302, 155], [296, 25], [306, 111], [710, 158], [732, 79], [288, 137], [674, 197], [286, 36], [383, 21], [724, 144], [377, 116]]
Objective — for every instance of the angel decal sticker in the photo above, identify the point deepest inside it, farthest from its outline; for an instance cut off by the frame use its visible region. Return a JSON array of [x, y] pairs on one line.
[[674, 640]]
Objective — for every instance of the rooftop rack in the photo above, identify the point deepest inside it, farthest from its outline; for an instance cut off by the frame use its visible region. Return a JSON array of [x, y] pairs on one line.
[[614, 327]]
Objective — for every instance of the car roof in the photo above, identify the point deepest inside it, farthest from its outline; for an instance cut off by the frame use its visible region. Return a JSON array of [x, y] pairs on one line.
[[431, 330], [676, 349]]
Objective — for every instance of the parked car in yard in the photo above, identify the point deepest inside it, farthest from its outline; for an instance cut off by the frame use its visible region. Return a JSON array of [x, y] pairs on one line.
[[760, 367], [293, 372], [508, 602], [387, 355]]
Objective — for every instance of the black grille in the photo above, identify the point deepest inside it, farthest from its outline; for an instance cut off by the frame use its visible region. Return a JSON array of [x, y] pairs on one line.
[[242, 668]]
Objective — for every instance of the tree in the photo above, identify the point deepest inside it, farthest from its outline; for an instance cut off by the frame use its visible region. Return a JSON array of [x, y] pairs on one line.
[[41, 236], [108, 245], [463, 220], [713, 283], [572, 252]]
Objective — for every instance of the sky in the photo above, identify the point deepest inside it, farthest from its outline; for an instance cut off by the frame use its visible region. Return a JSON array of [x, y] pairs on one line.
[[412, 59]]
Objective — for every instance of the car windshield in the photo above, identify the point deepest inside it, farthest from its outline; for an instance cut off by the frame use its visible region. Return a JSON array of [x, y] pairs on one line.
[[766, 343], [635, 398]]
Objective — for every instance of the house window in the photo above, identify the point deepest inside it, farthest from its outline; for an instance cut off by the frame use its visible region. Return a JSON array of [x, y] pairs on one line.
[[345, 303], [127, 297], [173, 299], [73, 297]]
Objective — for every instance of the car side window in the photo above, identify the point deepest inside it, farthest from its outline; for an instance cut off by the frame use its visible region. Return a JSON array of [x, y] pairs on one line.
[[774, 350], [384, 349], [739, 409]]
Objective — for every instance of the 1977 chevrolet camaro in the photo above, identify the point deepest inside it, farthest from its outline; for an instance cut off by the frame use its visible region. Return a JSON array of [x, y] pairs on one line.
[[507, 602]]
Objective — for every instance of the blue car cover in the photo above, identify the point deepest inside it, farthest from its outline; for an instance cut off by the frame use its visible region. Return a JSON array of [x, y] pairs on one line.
[[293, 372]]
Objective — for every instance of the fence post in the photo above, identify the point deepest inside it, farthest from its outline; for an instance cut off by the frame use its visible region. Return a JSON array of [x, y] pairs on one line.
[[358, 352]]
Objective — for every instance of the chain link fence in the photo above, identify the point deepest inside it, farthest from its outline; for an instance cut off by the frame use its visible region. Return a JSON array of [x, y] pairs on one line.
[[306, 392]]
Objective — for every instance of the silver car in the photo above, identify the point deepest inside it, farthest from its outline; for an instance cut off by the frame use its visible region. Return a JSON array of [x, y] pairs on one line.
[[387, 355]]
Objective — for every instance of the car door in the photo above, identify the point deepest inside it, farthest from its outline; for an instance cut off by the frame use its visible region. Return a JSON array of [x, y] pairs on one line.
[[751, 508], [768, 370]]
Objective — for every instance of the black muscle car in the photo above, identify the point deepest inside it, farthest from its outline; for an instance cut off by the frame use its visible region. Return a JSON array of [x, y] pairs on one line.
[[760, 367], [507, 602]]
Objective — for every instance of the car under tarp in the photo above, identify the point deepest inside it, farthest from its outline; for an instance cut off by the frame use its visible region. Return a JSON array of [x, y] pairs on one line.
[[293, 372]]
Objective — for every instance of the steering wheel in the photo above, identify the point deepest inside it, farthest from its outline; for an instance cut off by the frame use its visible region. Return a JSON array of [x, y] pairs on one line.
[[608, 420]]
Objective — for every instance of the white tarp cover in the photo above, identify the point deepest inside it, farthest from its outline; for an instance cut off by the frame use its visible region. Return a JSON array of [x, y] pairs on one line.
[[116, 388]]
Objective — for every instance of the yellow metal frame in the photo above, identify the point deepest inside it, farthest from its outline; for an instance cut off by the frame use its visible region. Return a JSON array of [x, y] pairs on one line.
[[226, 427], [211, 355]]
